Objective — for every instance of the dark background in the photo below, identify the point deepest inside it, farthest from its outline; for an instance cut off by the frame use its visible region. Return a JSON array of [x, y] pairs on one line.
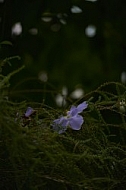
[[60, 47]]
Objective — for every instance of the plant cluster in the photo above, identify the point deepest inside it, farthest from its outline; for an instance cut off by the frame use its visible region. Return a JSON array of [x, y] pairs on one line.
[[43, 148]]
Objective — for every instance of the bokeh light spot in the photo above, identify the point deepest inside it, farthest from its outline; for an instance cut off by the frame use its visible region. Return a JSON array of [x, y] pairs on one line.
[[17, 29], [43, 76], [90, 31], [76, 9], [77, 93]]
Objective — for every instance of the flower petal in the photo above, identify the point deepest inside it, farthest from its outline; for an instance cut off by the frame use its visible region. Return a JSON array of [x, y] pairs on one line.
[[60, 125], [76, 122], [60, 121], [82, 106], [29, 112], [56, 121], [73, 111]]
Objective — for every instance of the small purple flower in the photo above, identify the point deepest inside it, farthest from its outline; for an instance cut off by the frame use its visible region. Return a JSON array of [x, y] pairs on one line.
[[72, 119], [29, 112]]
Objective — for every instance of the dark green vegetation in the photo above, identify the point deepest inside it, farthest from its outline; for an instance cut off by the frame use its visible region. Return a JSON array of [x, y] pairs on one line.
[[51, 41], [32, 156], [60, 46]]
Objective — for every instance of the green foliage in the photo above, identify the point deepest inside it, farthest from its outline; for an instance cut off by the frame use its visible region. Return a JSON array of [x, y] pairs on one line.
[[32, 156], [6, 43]]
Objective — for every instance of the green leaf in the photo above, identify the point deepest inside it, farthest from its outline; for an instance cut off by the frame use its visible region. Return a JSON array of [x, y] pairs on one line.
[[6, 43]]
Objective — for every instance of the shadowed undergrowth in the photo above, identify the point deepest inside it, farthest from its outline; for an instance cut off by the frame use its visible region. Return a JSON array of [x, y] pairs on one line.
[[33, 156]]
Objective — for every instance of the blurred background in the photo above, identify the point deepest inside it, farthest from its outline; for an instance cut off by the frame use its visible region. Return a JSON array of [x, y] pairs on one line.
[[69, 47]]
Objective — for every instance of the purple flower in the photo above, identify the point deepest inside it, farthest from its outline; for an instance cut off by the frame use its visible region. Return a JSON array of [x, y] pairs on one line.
[[72, 119], [29, 112]]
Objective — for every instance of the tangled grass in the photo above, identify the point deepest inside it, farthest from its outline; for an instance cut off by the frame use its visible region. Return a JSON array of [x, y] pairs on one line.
[[33, 156]]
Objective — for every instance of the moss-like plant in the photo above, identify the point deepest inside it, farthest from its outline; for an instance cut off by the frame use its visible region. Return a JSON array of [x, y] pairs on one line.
[[34, 156]]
